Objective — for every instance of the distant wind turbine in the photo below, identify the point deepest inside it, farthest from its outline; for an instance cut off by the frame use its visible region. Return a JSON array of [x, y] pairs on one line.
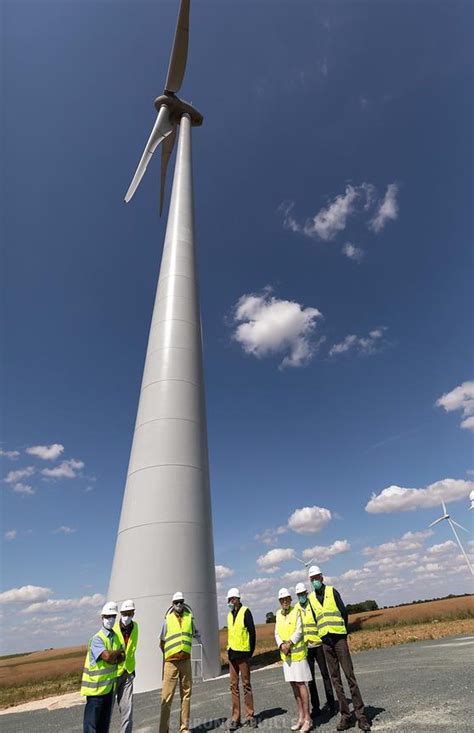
[[451, 523], [471, 497], [306, 564]]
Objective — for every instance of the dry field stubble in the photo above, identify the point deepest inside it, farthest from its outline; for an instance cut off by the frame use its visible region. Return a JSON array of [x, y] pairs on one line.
[[56, 671]]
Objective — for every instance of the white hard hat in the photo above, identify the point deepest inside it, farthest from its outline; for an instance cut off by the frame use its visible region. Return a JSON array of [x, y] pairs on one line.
[[283, 593], [127, 606], [233, 593], [109, 609], [301, 588], [178, 596], [314, 570]]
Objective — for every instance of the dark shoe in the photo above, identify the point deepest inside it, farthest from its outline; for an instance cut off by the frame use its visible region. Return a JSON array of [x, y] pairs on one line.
[[316, 712], [344, 724], [363, 723], [252, 723], [234, 724], [329, 708]]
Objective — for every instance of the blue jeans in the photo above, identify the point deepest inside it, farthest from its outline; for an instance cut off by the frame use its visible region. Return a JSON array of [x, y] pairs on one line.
[[98, 713]]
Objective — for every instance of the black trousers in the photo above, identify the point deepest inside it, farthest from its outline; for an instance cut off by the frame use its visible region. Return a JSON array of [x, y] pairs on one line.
[[316, 653], [337, 656]]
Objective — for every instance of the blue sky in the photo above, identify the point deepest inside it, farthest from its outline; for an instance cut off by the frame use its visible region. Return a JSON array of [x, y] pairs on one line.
[[333, 180]]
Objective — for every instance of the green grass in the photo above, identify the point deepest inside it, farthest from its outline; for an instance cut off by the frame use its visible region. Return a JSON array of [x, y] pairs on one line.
[[37, 690]]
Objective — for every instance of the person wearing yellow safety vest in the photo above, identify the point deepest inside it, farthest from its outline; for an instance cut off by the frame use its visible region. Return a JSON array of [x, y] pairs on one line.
[[331, 619], [176, 642], [290, 641], [315, 653], [127, 633], [240, 648], [99, 675]]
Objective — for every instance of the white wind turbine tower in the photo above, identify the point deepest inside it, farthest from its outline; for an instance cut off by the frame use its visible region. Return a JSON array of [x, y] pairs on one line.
[[165, 541], [452, 523]]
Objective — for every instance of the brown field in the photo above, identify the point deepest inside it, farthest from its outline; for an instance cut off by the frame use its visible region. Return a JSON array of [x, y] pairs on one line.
[[55, 671]]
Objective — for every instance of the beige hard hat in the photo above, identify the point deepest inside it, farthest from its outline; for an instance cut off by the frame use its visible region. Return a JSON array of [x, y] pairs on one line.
[[109, 609], [283, 593], [127, 605], [300, 588]]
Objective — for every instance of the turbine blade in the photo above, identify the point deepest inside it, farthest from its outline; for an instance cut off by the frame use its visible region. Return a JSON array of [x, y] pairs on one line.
[[166, 151], [179, 54], [161, 129], [459, 525], [436, 521], [444, 507]]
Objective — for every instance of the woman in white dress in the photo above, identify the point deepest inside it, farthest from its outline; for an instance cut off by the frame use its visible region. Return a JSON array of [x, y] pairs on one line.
[[289, 639]]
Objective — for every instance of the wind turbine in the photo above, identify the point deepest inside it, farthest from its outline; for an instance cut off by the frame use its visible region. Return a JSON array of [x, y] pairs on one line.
[[165, 539], [471, 499], [452, 523], [306, 564]]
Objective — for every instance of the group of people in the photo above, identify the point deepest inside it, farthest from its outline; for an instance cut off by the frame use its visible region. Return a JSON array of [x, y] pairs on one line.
[[311, 631]]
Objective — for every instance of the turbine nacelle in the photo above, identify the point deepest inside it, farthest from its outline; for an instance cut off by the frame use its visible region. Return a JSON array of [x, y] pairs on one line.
[[169, 107]]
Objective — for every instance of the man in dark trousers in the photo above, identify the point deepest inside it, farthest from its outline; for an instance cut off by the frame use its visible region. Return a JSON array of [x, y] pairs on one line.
[[99, 675], [240, 648], [315, 653], [331, 619]]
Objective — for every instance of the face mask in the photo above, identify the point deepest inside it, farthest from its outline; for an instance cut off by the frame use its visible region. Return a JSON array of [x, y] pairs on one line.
[[303, 600], [316, 584], [230, 606], [108, 623], [126, 620], [179, 607]]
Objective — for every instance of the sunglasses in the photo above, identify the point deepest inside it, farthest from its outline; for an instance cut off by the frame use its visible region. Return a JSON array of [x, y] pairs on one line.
[[178, 603]]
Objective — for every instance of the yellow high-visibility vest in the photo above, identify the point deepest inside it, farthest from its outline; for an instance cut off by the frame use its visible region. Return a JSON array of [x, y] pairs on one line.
[[328, 616], [129, 661], [238, 637], [179, 636], [99, 679], [285, 627], [310, 628]]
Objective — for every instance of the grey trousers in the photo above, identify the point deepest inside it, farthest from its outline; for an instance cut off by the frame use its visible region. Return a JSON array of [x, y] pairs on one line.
[[124, 694]]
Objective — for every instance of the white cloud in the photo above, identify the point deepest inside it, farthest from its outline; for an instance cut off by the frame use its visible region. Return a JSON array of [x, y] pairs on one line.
[[321, 553], [352, 252], [358, 574], [430, 567], [442, 548], [25, 594], [273, 557], [46, 452], [387, 209], [365, 345], [270, 536], [331, 220], [14, 476], [460, 398], [56, 606], [266, 325], [64, 530], [10, 534], [408, 542], [12, 455], [223, 572], [296, 576], [399, 499], [24, 489], [66, 469], [309, 519]]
